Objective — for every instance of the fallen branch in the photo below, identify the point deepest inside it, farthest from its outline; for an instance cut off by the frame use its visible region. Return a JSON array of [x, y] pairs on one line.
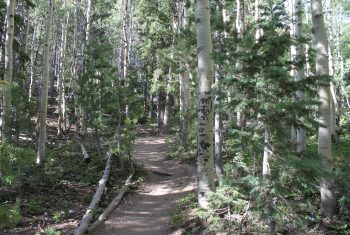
[[113, 204], [84, 223], [161, 173], [86, 156]]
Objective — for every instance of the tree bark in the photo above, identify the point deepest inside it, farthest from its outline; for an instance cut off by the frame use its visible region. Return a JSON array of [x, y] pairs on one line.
[[125, 52], [268, 182], [300, 74], [60, 82], [333, 101], [32, 60], [328, 198], [240, 25], [185, 94], [297, 71], [7, 113], [116, 201], [205, 145], [45, 87], [169, 102], [184, 105], [218, 126], [84, 223]]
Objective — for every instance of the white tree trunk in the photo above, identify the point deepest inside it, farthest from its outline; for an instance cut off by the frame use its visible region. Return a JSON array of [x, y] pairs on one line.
[[299, 68], [45, 87], [88, 18], [78, 61], [26, 33], [240, 25], [184, 105], [126, 50], [218, 126], [168, 107], [60, 82], [84, 223], [205, 145], [258, 32], [184, 78], [328, 199], [32, 60], [333, 103], [116, 201], [301, 134], [7, 113], [268, 181]]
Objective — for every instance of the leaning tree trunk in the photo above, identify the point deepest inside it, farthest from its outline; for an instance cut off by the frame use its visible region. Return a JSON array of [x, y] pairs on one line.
[[328, 198], [45, 87], [10, 25], [205, 145]]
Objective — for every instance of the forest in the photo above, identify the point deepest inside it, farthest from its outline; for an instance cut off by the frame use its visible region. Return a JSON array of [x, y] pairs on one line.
[[225, 116]]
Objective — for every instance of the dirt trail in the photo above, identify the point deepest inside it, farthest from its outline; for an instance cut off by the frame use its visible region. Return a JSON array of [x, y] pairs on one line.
[[147, 211]]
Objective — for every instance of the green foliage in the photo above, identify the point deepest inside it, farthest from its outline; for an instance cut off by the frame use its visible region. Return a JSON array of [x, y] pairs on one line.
[[11, 158], [10, 215], [58, 216], [184, 207], [264, 92], [34, 206], [342, 175], [51, 231]]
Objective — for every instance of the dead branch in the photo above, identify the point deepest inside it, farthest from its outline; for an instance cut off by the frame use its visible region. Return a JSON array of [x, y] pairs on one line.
[[84, 223], [116, 201]]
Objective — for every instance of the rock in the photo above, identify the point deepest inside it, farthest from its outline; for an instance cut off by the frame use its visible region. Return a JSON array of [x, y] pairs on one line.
[[71, 211]]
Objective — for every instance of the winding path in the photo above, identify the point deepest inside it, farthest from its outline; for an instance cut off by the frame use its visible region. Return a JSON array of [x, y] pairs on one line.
[[148, 210]]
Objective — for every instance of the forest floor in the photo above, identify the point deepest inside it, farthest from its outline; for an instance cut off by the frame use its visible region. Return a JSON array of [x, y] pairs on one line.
[[57, 195], [148, 210]]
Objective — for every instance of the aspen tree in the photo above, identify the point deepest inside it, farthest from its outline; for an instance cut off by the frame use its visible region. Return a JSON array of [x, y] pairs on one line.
[[328, 198], [184, 78], [169, 96], [60, 82], [10, 25], [333, 103], [36, 27], [26, 33], [217, 102], [240, 26], [169, 102], [78, 62], [45, 87], [300, 72], [297, 71], [125, 54], [205, 169]]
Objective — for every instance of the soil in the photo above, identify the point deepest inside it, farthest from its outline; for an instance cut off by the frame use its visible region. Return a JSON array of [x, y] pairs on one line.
[[148, 210]]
